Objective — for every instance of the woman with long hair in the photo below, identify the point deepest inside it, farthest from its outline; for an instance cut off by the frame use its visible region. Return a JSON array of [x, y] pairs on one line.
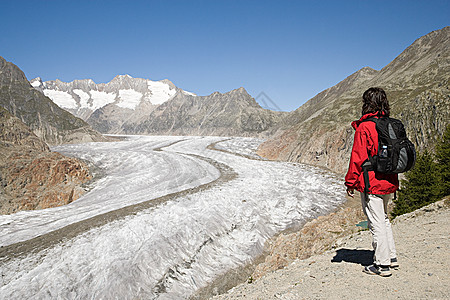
[[375, 198]]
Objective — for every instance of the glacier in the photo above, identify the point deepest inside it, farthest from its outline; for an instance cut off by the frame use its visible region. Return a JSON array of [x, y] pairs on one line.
[[172, 249]]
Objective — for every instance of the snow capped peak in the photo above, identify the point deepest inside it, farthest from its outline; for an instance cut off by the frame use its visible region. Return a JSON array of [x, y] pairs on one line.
[[160, 92], [168, 82], [189, 93], [36, 82], [124, 76], [83, 97]]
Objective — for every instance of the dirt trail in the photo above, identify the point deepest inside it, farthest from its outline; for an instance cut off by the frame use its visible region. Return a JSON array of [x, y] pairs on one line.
[[423, 243]]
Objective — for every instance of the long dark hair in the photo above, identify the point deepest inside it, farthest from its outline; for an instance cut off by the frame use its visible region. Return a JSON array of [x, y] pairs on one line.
[[375, 100]]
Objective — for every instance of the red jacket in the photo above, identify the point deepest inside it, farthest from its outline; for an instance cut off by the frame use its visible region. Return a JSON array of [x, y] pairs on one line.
[[365, 144]]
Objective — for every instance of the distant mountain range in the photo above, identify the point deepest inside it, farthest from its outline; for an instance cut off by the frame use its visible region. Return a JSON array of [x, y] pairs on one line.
[[141, 106], [417, 85], [83, 97]]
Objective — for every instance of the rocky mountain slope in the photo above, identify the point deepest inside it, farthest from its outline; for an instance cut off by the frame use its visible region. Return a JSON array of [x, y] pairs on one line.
[[141, 106], [234, 113], [417, 85], [47, 120], [32, 177]]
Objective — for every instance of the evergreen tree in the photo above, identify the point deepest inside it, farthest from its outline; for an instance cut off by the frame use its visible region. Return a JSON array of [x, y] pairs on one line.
[[443, 158], [422, 186]]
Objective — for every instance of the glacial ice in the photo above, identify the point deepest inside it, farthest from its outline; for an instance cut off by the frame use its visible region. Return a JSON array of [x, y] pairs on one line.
[[241, 145], [168, 251]]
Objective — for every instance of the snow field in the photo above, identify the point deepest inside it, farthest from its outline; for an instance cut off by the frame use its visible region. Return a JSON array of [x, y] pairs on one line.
[[35, 84], [100, 99], [62, 99], [161, 92], [158, 93], [129, 99]]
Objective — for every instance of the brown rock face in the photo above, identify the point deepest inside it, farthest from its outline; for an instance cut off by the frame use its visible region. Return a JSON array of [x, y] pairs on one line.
[[32, 177], [37, 181]]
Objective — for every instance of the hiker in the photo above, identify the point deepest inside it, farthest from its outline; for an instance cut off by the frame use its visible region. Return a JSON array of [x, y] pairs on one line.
[[381, 187]]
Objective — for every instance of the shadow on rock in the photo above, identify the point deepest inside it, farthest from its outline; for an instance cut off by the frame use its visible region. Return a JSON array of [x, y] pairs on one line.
[[362, 257]]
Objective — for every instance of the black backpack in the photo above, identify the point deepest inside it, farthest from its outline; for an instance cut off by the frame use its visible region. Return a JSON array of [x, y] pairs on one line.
[[396, 153]]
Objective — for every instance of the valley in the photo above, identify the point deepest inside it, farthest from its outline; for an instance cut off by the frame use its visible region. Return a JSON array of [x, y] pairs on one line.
[[171, 248]]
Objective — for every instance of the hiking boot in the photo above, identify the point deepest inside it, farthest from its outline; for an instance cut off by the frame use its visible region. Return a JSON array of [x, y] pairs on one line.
[[394, 264], [383, 271]]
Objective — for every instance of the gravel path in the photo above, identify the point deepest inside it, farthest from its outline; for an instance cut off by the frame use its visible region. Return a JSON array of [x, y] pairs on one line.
[[422, 241]]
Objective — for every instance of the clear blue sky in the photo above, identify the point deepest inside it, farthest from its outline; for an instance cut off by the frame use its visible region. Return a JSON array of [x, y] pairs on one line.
[[291, 50]]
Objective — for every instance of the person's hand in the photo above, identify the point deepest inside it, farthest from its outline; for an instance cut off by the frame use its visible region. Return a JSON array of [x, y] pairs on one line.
[[351, 192]]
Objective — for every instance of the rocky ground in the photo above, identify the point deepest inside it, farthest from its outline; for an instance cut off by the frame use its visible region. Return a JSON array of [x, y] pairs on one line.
[[422, 240]]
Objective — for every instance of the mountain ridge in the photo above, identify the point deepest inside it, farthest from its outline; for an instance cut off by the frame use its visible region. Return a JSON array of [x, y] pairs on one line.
[[231, 113], [175, 111], [83, 97], [417, 85]]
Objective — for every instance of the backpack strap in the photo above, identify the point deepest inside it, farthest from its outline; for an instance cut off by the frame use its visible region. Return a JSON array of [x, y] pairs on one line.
[[368, 165]]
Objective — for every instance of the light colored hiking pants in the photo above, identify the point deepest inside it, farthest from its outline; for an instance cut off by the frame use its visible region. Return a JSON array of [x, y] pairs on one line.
[[375, 208]]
